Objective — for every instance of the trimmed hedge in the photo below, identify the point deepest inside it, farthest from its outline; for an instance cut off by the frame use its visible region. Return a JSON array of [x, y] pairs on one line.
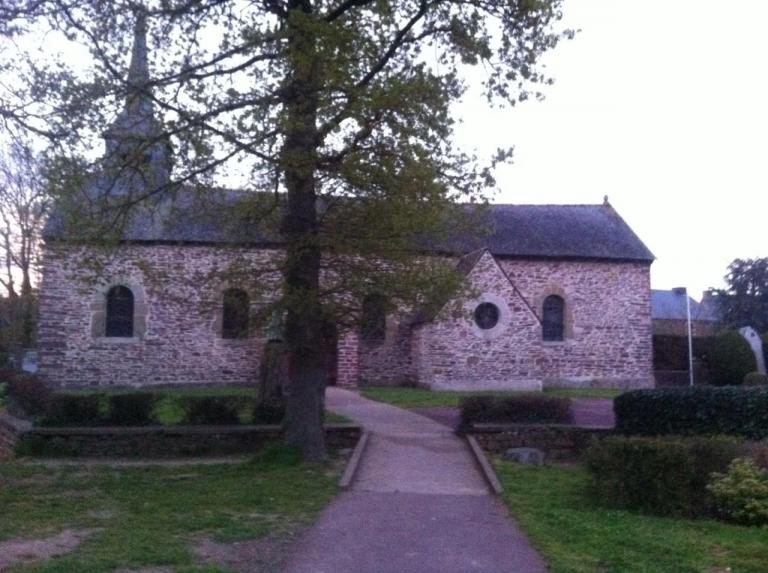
[[269, 412], [134, 409], [702, 410], [755, 379], [664, 476], [212, 410], [523, 409], [29, 397], [73, 410]]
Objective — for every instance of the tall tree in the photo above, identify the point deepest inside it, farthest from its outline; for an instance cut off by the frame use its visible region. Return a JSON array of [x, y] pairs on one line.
[[744, 302], [336, 114], [23, 207]]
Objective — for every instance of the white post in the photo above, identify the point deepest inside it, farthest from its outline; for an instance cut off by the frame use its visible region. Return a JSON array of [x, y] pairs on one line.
[[690, 336]]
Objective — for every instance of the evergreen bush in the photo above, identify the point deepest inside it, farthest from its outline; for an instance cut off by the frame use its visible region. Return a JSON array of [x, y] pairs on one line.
[[730, 359]]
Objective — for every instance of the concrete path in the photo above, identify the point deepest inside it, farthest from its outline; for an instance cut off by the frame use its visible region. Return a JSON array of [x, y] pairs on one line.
[[417, 505]]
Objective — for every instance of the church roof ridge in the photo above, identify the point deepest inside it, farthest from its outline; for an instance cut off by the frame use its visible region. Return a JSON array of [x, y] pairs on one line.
[[525, 231]]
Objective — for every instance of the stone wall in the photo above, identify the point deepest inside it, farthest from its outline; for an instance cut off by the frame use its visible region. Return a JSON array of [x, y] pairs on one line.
[[560, 443], [387, 362], [607, 329], [178, 299], [166, 442]]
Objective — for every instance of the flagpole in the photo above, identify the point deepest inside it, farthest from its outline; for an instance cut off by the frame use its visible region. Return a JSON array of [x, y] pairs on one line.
[[690, 336]]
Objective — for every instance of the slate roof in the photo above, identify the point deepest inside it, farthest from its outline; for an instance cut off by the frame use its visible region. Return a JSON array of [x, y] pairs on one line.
[[563, 231], [670, 305], [530, 231]]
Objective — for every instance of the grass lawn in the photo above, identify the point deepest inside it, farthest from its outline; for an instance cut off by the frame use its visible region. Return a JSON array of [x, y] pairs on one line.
[[575, 536], [152, 516], [423, 398]]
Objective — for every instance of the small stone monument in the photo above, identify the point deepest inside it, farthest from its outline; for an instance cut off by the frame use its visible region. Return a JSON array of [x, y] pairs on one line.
[[756, 344], [273, 375]]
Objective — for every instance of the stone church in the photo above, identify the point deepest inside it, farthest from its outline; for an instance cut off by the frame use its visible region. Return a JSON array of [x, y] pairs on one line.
[[563, 299]]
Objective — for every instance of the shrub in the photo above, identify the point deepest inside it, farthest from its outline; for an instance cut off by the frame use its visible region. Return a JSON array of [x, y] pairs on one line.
[[26, 395], [764, 338], [730, 359], [755, 379], [759, 453], [526, 408], [72, 410], [269, 412], [741, 494], [211, 410], [134, 409], [665, 476], [694, 411]]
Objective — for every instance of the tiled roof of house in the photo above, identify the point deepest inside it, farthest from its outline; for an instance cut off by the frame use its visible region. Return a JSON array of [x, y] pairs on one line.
[[532, 231], [670, 305]]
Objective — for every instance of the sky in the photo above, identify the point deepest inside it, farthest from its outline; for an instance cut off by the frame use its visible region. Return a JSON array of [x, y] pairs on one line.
[[661, 106]]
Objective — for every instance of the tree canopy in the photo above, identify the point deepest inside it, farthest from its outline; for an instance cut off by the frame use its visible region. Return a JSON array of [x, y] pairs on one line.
[[744, 302], [333, 116]]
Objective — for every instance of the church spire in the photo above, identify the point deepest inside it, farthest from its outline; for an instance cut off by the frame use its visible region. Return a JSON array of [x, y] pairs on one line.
[[137, 149], [138, 101]]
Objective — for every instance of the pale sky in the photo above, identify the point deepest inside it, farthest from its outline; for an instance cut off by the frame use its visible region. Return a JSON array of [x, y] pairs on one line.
[[659, 104], [662, 106]]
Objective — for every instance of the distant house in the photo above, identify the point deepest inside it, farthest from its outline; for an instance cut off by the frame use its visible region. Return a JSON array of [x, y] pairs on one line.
[[669, 314]]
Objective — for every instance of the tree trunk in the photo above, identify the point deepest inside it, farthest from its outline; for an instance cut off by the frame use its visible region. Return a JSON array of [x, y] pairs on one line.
[[303, 329]]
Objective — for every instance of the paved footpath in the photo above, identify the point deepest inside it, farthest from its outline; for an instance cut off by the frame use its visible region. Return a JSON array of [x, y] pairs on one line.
[[417, 505]]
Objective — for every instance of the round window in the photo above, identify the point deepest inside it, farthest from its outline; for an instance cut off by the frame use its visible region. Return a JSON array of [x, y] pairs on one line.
[[486, 315]]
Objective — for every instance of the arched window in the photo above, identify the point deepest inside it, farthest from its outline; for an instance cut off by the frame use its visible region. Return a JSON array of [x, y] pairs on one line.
[[373, 321], [553, 318], [119, 322], [235, 316]]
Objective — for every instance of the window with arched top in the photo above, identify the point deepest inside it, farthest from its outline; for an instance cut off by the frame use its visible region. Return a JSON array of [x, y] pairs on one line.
[[553, 318], [236, 314], [119, 315], [373, 320]]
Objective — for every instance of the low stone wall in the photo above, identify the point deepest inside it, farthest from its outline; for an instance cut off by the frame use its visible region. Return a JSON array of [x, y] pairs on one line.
[[156, 442], [561, 443]]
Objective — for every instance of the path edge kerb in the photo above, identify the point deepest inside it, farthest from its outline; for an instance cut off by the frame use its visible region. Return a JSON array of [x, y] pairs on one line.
[[485, 466], [354, 462]]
